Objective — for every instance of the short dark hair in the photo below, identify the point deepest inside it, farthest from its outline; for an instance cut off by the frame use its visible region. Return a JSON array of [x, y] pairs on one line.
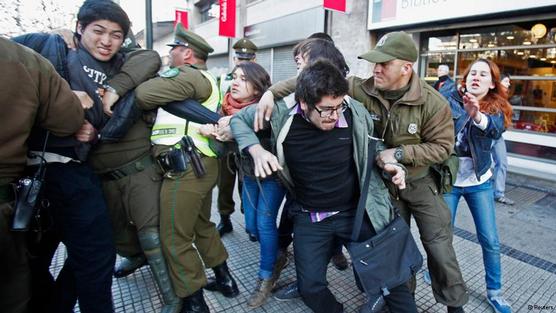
[[94, 10], [321, 35], [201, 56], [256, 75], [320, 79], [315, 49]]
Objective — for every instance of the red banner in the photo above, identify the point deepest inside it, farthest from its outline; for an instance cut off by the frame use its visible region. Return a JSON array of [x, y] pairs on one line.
[[227, 27], [181, 17], [336, 5]]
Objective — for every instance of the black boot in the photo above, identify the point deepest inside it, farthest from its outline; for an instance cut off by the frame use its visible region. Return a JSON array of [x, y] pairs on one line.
[[223, 282], [225, 225], [128, 265], [195, 303]]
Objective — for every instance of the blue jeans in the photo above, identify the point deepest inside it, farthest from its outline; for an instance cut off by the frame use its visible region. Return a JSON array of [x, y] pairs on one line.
[[500, 158], [260, 218], [481, 203]]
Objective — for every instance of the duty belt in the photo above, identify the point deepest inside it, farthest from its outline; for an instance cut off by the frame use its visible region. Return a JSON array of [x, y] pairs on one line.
[[129, 169]]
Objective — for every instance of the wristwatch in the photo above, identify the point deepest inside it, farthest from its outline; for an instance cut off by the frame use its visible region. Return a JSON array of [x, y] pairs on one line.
[[110, 89], [398, 154]]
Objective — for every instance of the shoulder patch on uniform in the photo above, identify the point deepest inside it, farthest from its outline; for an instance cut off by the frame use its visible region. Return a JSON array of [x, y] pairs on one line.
[[173, 72]]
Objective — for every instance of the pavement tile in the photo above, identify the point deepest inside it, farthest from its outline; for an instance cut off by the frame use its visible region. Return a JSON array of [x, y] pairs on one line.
[[528, 280]]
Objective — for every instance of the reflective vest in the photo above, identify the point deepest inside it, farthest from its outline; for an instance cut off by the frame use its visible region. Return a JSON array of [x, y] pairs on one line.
[[168, 129]]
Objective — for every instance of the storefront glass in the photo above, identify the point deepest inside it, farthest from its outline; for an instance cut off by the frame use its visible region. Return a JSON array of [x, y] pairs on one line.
[[526, 51]]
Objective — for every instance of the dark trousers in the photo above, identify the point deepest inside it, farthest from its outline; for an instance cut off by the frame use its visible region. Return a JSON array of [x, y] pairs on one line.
[[285, 230], [313, 247], [15, 276], [81, 222]]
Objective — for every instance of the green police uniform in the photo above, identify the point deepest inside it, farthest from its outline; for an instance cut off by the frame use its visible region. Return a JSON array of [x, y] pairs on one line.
[[131, 184], [131, 204], [245, 50], [189, 239], [29, 83], [418, 122]]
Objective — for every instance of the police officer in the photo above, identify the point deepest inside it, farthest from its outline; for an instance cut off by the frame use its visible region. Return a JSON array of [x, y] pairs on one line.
[[415, 123], [245, 51], [131, 183], [186, 192], [30, 92]]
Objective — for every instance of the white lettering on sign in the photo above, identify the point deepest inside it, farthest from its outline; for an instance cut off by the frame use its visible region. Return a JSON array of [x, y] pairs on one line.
[[391, 13], [224, 11], [418, 3], [97, 76]]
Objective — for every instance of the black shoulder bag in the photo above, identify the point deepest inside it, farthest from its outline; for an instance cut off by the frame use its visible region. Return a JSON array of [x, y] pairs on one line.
[[389, 258]]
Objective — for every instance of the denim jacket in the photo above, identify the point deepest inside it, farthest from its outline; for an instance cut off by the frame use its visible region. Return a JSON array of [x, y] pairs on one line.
[[480, 141]]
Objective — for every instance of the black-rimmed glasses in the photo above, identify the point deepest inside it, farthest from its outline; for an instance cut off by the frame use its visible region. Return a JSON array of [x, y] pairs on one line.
[[328, 112]]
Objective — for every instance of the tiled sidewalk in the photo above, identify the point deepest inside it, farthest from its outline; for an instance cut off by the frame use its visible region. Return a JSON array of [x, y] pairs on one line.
[[529, 280]]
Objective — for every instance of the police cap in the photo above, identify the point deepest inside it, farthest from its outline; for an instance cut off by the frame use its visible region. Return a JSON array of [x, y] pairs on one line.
[[187, 38], [245, 49]]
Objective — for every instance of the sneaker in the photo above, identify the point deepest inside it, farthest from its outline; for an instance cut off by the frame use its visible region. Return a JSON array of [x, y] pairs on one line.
[[287, 293], [505, 200], [427, 277], [373, 305], [340, 262], [497, 302]]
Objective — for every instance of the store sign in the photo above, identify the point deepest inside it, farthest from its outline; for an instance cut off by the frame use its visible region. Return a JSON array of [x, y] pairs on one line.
[[390, 13], [336, 5], [227, 19], [181, 17]]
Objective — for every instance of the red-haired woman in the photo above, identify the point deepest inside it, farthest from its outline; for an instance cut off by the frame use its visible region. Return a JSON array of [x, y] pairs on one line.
[[481, 113]]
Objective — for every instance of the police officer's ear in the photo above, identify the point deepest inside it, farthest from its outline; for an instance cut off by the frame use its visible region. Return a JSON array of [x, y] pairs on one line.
[[407, 68], [188, 54]]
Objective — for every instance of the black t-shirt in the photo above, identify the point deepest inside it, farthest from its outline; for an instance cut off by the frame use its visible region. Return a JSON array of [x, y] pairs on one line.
[[321, 165]]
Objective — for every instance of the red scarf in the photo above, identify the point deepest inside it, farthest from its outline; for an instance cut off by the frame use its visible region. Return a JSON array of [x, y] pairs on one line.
[[231, 106]]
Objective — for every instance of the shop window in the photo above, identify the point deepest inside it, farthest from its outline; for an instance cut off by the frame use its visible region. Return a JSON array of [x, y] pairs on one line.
[[432, 60], [440, 42], [525, 50], [519, 34], [208, 10]]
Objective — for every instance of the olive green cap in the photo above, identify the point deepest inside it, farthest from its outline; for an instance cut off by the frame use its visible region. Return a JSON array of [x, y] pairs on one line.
[[187, 38], [395, 45], [245, 49]]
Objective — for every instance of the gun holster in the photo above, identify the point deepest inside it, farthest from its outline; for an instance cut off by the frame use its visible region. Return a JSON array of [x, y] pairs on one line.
[[173, 162], [188, 145], [26, 195]]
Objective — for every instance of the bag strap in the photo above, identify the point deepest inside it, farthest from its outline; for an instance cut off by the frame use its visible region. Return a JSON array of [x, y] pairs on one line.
[[365, 190]]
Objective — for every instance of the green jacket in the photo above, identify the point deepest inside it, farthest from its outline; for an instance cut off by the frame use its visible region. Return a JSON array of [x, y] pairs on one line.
[[379, 207], [420, 122]]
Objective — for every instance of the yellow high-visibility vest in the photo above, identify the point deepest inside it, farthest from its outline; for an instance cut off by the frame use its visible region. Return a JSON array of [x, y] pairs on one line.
[[168, 129]]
